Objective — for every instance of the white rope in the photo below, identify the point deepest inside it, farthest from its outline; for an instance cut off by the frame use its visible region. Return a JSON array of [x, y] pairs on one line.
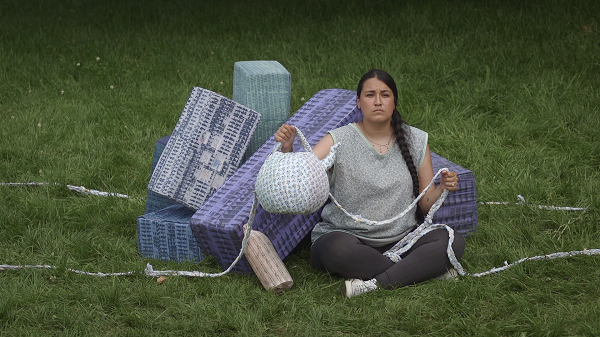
[[427, 226], [79, 189], [394, 253], [522, 202], [84, 190], [45, 266], [358, 218], [585, 251], [149, 271]]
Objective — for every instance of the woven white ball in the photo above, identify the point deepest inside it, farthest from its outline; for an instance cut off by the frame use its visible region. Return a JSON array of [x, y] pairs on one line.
[[294, 182]]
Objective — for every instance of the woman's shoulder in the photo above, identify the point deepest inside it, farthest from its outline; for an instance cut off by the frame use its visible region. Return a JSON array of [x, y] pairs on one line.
[[348, 126], [418, 140], [416, 133], [344, 130]]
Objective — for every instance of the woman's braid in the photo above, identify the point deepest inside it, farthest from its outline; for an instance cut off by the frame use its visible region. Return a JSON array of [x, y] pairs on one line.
[[399, 132]]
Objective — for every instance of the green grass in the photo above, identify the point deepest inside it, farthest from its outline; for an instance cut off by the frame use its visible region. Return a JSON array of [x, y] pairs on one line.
[[508, 89]]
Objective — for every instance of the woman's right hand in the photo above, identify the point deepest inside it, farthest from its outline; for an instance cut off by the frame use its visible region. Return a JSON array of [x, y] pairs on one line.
[[285, 135]]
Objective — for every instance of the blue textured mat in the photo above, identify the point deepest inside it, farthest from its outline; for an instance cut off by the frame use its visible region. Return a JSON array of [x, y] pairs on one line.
[[205, 148], [166, 235], [266, 87], [155, 201]]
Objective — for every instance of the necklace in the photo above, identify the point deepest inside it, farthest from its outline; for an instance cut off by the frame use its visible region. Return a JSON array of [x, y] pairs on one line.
[[381, 146]]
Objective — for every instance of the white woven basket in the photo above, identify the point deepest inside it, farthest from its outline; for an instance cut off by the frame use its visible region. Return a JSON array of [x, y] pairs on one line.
[[294, 182]]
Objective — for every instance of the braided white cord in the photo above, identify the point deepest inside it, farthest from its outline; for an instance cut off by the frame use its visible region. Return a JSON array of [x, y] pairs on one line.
[[394, 253], [149, 271], [522, 202], [552, 256], [359, 218], [84, 190], [427, 226], [79, 189], [408, 241], [45, 266]]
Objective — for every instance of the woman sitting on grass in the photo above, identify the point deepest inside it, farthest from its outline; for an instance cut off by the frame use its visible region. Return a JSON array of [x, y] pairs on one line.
[[378, 180]]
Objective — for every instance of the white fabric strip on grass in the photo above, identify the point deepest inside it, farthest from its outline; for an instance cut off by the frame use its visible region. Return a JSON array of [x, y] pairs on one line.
[[79, 189], [393, 253], [149, 270]]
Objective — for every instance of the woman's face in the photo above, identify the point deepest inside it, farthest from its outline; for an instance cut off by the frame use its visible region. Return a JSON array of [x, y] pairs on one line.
[[376, 101]]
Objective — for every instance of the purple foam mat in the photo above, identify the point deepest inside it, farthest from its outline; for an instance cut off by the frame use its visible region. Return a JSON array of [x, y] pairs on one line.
[[459, 210], [218, 224]]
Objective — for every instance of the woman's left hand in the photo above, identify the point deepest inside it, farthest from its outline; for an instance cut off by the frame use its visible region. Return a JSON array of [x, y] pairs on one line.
[[449, 181]]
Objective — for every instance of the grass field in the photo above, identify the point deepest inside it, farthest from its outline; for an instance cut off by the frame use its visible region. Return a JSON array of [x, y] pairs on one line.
[[509, 89]]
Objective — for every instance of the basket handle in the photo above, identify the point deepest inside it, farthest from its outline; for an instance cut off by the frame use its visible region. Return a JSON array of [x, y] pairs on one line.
[[303, 140]]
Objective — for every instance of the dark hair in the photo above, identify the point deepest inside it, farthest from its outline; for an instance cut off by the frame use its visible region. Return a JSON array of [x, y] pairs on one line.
[[399, 130]]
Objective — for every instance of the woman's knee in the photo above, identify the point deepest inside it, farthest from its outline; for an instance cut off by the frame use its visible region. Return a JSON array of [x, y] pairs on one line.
[[332, 244], [438, 241], [458, 246], [330, 247]]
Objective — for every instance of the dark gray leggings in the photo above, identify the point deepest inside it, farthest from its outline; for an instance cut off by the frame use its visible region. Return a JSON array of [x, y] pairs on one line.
[[345, 255]]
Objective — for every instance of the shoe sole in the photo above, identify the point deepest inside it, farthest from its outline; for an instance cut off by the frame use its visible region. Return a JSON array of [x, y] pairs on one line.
[[344, 290]]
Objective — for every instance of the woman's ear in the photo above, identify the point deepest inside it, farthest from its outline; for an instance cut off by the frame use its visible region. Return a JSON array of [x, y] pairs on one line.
[[358, 103]]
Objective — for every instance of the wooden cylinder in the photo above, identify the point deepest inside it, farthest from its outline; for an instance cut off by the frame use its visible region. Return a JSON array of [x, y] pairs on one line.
[[266, 264]]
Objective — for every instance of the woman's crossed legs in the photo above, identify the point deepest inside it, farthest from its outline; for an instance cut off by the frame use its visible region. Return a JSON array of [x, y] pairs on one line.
[[345, 255]]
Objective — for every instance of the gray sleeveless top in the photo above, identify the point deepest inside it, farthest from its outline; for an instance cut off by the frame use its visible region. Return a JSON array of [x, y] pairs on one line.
[[376, 186]]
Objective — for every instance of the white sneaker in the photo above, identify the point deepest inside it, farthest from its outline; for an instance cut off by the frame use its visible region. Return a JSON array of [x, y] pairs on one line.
[[451, 274], [355, 287]]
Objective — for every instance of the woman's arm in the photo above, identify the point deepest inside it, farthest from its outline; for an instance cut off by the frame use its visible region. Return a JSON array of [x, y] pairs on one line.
[[323, 146], [448, 181]]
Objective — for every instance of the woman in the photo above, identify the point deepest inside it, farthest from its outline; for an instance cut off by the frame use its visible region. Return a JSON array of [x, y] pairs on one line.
[[381, 166]]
